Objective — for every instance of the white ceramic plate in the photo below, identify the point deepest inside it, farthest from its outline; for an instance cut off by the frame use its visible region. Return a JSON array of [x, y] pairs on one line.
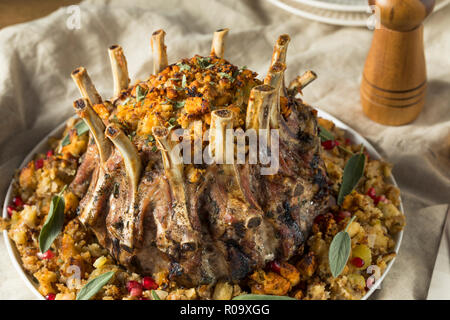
[[338, 5], [335, 12], [43, 146]]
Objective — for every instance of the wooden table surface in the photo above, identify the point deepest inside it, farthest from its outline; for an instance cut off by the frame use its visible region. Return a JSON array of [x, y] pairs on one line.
[[17, 11]]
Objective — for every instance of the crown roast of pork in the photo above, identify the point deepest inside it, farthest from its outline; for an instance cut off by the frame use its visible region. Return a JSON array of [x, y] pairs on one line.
[[197, 222]]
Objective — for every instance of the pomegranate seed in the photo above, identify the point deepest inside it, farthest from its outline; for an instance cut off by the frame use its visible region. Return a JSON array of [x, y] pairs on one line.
[[49, 153], [342, 215], [274, 266], [381, 198], [371, 193], [39, 163], [358, 262], [133, 284], [47, 255], [50, 296], [348, 141], [149, 284], [136, 292], [329, 144], [10, 210], [336, 143], [18, 202]]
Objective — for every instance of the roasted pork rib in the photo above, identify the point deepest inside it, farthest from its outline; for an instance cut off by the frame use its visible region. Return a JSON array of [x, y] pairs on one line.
[[152, 217]]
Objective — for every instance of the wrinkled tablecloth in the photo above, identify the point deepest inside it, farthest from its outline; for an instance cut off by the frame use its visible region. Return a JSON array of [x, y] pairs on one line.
[[36, 93]]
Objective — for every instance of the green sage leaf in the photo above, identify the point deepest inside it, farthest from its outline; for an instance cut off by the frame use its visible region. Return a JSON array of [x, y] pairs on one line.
[[81, 128], [92, 287], [54, 222], [65, 141], [155, 295], [340, 251], [324, 134], [261, 297], [353, 171]]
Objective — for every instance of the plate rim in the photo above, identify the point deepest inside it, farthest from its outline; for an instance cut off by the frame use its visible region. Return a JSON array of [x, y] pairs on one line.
[[440, 4], [315, 17], [41, 146], [335, 6]]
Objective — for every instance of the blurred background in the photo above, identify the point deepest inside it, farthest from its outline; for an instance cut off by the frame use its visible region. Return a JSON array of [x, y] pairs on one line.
[[17, 11]]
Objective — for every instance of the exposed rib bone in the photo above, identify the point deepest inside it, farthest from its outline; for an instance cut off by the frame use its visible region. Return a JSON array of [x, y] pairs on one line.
[[94, 201], [133, 168], [119, 69], [96, 127], [130, 155], [85, 85], [159, 51], [218, 43], [279, 55], [182, 231], [223, 151], [274, 78], [280, 49], [259, 106], [302, 81], [235, 206], [221, 120]]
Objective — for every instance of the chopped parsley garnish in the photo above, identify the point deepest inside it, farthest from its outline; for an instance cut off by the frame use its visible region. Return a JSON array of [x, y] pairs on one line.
[[172, 123], [176, 104], [126, 101], [179, 104], [204, 62], [184, 66], [131, 135], [140, 93], [168, 101], [150, 138], [226, 75]]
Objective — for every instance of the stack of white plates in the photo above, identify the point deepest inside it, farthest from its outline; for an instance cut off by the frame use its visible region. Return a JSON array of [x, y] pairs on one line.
[[338, 12]]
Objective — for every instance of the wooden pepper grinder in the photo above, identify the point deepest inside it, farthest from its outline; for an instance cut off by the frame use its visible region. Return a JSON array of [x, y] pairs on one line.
[[394, 79]]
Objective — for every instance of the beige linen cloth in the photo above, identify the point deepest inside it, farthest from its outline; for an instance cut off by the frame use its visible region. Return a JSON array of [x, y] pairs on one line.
[[36, 94]]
